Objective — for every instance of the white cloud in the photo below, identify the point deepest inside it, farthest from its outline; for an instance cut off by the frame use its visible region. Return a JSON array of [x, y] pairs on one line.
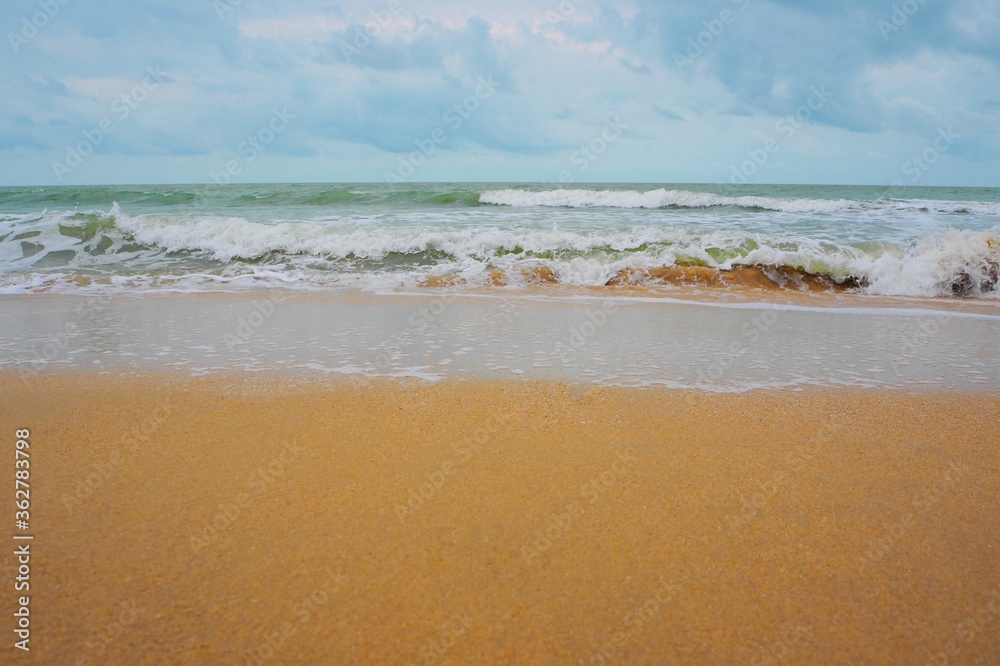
[[321, 28], [563, 72]]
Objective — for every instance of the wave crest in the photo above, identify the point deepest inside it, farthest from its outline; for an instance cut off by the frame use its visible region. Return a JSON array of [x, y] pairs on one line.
[[112, 244], [684, 199], [660, 198]]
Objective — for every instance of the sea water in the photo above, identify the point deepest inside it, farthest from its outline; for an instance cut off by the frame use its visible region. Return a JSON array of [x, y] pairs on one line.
[[929, 242], [677, 286]]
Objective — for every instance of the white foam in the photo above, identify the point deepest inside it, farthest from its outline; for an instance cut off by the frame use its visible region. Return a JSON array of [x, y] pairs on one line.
[[312, 254], [985, 208], [934, 263], [660, 198]]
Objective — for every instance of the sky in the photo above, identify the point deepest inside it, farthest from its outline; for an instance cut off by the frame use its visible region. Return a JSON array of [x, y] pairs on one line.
[[653, 91]]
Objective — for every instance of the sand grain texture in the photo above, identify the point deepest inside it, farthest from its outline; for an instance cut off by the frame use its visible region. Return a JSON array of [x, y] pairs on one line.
[[818, 527]]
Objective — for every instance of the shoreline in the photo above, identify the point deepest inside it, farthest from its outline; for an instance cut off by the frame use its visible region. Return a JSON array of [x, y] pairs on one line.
[[251, 519], [636, 342], [733, 295]]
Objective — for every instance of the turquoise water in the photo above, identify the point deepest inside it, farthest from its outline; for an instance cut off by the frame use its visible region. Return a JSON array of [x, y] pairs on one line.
[[940, 242]]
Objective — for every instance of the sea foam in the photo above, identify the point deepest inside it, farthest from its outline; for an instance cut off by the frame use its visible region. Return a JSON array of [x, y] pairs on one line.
[[905, 251]]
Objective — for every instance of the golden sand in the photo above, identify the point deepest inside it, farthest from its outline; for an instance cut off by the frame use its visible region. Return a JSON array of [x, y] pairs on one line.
[[232, 520]]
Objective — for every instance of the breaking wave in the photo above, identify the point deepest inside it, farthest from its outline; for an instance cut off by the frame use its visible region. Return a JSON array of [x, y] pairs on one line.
[[663, 198], [43, 251]]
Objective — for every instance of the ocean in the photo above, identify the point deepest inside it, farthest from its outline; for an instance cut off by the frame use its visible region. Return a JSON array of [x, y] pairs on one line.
[[890, 242], [673, 286]]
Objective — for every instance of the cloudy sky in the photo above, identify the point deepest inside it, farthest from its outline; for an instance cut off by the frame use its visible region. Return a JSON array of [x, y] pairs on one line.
[[767, 91]]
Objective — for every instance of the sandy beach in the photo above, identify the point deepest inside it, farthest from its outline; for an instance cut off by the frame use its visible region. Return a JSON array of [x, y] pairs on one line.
[[253, 519], [475, 333]]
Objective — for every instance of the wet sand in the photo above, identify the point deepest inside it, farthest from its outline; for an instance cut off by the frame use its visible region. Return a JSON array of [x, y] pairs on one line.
[[249, 519], [618, 342]]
